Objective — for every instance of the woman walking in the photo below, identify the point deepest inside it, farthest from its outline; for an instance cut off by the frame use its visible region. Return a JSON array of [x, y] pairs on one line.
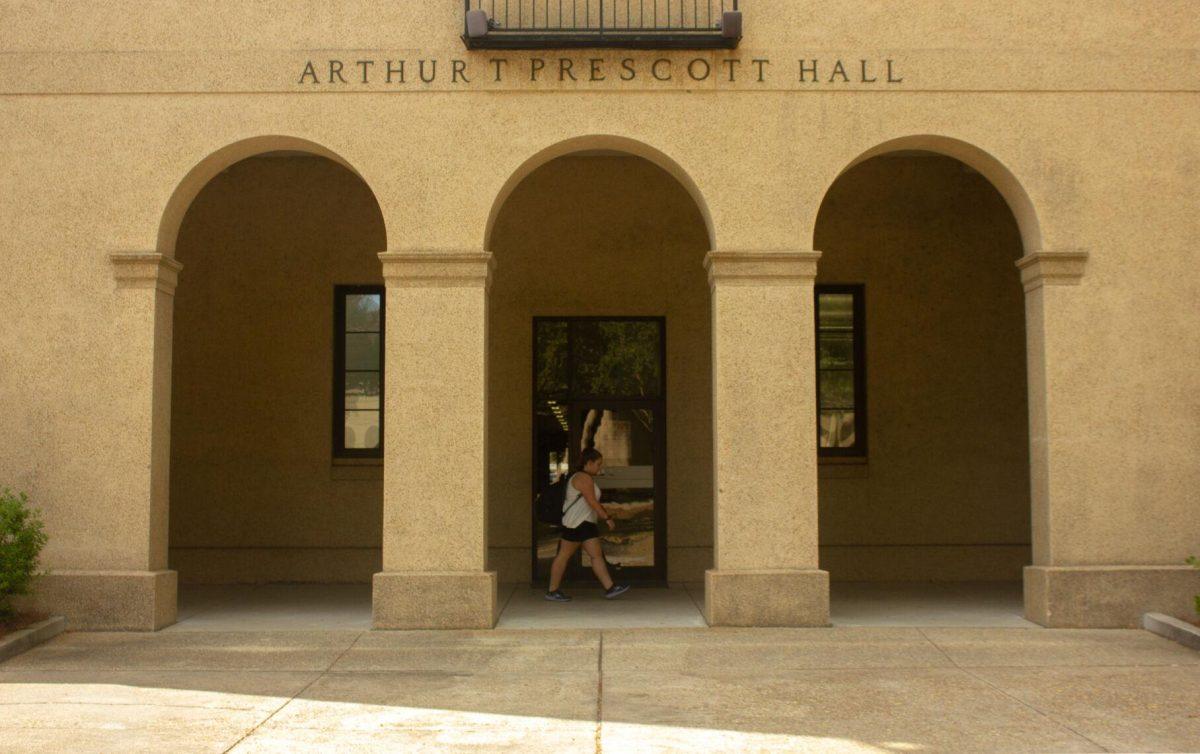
[[581, 513]]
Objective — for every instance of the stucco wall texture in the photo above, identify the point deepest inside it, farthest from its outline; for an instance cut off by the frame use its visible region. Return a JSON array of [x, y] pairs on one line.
[[1084, 116]]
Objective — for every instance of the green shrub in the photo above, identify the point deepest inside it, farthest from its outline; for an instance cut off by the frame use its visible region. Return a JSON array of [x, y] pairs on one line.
[[22, 537], [1195, 563]]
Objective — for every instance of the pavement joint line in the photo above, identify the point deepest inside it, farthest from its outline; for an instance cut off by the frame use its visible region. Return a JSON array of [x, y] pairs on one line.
[[221, 602], [127, 669], [122, 704], [1137, 665], [307, 686], [599, 693], [692, 596], [401, 671], [905, 667], [511, 592], [1050, 718]]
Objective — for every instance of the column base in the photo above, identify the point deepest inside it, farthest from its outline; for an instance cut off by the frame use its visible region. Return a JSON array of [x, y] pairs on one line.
[[766, 598], [438, 599], [1106, 596], [107, 600]]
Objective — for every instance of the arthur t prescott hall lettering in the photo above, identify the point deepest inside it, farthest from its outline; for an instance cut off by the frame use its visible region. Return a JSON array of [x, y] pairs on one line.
[[349, 72]]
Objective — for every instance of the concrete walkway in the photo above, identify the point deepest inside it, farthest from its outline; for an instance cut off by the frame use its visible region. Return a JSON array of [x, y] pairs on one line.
[[677, 607], [928, 604], [282, 607], [274, 607], [846, 689]]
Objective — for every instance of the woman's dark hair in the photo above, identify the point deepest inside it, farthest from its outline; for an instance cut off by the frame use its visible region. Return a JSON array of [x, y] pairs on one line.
[[587, 456]]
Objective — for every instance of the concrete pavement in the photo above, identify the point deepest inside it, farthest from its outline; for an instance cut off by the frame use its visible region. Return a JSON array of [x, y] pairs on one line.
[[852, 689]]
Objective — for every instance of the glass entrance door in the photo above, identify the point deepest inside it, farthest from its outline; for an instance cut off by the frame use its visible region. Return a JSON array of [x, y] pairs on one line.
[[599, 382]]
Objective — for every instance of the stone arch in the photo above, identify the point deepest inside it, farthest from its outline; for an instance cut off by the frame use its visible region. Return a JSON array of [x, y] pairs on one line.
[[206, 169], [191, 318], [990, 167], [607, 142], [617, 218], [1036, 268]]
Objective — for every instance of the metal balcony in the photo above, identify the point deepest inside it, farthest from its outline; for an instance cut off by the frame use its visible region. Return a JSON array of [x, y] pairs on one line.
[[630, 24]]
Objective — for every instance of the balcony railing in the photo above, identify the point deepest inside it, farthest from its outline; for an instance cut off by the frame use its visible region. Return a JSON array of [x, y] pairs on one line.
[[644, 24]]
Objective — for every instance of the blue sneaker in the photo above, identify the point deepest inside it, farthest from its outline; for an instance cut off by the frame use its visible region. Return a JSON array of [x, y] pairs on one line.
[[557, 596], [615, 591]]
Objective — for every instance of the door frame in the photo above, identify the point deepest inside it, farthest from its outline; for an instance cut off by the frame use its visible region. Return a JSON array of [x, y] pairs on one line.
[[656, 574]]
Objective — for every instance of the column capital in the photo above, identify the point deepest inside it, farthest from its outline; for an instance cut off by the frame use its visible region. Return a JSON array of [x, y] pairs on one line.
[[1063, 267], [145, 269], [437, 269], [738, 267]]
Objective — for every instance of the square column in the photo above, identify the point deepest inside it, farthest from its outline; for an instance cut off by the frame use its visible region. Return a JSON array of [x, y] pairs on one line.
[[435, 444], [765, 442], [117, 576], [1043, 276], [1076, 581]]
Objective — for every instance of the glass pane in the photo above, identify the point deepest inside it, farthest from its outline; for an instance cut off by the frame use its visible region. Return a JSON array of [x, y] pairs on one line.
[[835, 311], [553, 440], [626, 438], [362, 351], [362, 390], [362, 312], [837, 390], [551, 355], [837, 429], [362, 429], [836, 350], [616, 359]]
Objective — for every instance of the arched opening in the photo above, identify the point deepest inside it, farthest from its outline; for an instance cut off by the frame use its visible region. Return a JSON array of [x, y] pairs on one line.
[[599, 334], [601, 144], [204, 171], [924, 481], [276, 389], [995, 172]]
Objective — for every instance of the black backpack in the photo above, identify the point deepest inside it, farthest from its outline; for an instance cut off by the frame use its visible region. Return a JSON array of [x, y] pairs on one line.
[[549, 503]]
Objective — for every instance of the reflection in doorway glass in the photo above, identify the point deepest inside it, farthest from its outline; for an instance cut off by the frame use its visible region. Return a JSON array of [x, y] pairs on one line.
[[600, 383]]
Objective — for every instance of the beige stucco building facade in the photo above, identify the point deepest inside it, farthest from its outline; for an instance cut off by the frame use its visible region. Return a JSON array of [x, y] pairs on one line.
[[1007, 190]]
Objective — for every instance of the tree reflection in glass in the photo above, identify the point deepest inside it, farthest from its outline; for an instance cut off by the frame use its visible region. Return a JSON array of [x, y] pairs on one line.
[[836, 370], [551, 347], [362, 376], [616, 359]]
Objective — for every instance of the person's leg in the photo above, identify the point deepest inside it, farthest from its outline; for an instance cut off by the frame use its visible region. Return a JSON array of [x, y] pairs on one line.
[[599, 567], [559, 566]]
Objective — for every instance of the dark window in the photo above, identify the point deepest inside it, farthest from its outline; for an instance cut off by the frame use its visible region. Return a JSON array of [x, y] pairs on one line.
[[841, 371], [358, 371]]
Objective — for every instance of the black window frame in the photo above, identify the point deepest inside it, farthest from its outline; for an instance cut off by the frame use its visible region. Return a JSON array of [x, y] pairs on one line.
[[340, 292], [858, 332]]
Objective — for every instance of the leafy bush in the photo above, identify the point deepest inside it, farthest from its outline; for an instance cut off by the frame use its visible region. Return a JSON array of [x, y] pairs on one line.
[[1195, 563], [22, 537]]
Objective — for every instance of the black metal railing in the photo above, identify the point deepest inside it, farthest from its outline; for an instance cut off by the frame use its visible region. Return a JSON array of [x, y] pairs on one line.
[[531, 24]]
